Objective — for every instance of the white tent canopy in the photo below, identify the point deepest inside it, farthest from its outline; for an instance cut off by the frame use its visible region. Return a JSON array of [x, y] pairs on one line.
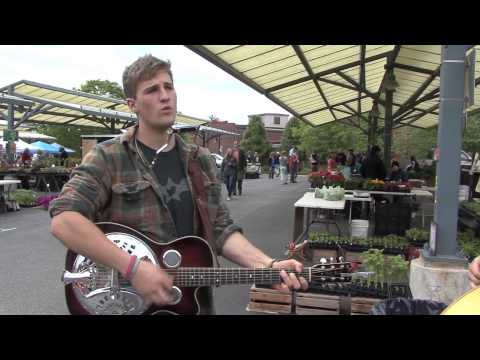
[[20, 146]]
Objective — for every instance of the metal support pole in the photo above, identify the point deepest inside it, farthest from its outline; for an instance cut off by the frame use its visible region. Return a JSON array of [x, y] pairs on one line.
[[452, 81], [10, 127], [388, 129], [372, 130]]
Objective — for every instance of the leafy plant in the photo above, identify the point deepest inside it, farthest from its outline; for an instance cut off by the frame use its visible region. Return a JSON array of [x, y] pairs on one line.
[[24, 197], [418, 234], [386, 269], [473, 206], [469, 244]]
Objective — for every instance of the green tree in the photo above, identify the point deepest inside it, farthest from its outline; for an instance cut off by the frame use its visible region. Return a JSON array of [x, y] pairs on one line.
[[255, 137], [471, 135], [408, 141], [70, 135], [330, 138], [292, 135], [102, 87]]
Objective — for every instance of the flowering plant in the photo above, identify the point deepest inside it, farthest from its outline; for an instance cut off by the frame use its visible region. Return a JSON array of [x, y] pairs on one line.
[[44, 200], [320, 178]]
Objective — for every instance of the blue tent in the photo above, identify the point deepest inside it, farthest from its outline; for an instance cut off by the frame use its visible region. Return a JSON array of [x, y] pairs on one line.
[[58, 146], [45, 147]]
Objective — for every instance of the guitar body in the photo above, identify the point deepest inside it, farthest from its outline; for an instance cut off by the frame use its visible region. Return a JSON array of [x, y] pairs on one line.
[[467, 304], [95, 297]]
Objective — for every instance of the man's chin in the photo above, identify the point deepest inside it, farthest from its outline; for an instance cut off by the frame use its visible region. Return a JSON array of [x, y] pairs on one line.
[[161, 124]]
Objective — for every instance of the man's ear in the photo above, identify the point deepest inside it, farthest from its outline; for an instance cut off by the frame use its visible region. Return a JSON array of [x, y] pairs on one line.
[[132, 104]]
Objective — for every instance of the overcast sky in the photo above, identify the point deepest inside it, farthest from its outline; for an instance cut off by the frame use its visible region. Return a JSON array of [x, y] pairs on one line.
[[202, 88]]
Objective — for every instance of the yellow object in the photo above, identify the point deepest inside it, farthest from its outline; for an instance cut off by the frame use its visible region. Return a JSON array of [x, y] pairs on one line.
[[467, 304]]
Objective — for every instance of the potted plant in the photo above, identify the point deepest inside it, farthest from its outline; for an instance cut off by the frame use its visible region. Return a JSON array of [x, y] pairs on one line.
[[25, 198], [417, 236], [469, 244]]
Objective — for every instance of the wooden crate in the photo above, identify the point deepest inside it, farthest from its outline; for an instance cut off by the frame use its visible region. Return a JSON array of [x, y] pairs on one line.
[[271, 301]]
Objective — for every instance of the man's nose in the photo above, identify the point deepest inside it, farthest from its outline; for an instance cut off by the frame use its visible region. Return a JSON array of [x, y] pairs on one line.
[[163, 95]]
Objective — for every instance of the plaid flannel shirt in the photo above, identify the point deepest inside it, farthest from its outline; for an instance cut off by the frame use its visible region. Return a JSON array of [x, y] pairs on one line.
[[113, 184]]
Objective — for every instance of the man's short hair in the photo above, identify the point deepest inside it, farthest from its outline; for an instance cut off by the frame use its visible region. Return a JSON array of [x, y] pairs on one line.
[[395, 163], [143, 68]]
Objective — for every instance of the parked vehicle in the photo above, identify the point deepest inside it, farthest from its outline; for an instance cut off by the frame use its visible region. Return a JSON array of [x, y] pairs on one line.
[[253, 170], [218, 159]]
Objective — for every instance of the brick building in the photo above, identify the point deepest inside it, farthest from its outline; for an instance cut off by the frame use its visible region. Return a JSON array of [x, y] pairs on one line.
[[219, 143]]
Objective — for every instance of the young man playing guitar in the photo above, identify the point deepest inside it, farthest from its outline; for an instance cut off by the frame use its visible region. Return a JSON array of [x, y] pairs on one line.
[[142, 179]]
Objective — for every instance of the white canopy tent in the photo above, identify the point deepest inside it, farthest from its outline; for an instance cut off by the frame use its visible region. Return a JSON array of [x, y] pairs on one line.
[[20, 146]]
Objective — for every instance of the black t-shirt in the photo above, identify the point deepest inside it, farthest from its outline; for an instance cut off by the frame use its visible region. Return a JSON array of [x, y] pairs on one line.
[[174, 186]]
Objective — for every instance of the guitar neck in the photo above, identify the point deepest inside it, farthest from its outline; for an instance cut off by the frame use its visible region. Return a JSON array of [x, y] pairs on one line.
[[194, 277]]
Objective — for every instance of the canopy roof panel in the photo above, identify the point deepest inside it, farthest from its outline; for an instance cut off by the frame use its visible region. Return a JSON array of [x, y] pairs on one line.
[[324, 83], [37, 103]]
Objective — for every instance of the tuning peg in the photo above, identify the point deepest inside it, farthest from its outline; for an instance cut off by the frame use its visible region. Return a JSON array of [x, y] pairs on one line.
[[323, 261], [332, 259], [341, 259]]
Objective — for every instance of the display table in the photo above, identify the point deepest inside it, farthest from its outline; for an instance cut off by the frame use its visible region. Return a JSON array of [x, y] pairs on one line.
[[308, 201], [352, 198], [44, 180]]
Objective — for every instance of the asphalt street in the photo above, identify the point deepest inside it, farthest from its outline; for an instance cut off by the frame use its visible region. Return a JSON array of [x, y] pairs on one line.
[[31, 259]]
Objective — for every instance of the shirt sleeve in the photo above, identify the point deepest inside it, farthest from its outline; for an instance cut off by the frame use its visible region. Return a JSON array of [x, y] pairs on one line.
[[88, 190], [222, 223]]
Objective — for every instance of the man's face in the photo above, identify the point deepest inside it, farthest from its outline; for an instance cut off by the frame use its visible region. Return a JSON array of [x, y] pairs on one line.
[[156, 101]]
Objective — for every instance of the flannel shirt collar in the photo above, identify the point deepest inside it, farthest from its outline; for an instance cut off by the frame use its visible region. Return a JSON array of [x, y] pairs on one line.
[[128, 139]]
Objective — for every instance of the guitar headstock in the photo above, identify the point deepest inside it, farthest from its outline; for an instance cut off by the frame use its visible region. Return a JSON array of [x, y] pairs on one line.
[[331, 270]]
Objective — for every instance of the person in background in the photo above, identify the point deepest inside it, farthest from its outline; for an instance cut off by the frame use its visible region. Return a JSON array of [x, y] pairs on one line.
[[346, 171], [229, 169], [276, 164], [341, 158], [283, 168], [239, 155], [413, 166], [331, 163], [351, 160], [397, 174], [293, 166], [291, 151], [271, 166], [373, 167], [63, 156], [314, 162], [26, 158]]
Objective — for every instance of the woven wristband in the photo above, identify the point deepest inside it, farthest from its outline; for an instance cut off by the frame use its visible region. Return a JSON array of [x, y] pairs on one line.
[[131, 263], [271, 263], [135, 268]]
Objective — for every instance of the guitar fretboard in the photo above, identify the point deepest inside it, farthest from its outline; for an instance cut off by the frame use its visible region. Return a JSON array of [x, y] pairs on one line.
[[228, 276]]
